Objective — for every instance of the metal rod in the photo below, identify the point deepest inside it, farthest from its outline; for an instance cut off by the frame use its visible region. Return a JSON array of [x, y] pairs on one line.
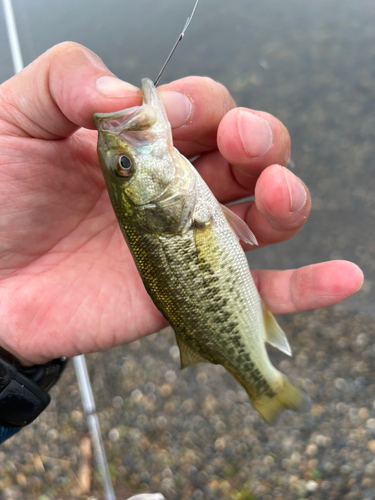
[[13, 36], [89, 407]]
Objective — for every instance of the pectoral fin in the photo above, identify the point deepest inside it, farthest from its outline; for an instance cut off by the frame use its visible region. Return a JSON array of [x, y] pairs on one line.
[[274, 334], [239, 227], [188, 356]]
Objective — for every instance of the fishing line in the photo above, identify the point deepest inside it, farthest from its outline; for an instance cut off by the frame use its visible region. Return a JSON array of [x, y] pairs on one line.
[[180, 37]]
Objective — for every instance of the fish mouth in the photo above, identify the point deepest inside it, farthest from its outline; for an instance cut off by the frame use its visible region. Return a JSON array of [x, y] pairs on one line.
[[131, 119], [126, 120]]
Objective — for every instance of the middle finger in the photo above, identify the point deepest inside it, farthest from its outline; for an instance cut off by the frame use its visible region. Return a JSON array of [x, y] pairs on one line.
[[251, 141]]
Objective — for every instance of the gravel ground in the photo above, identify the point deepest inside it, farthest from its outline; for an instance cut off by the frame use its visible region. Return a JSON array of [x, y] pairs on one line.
[[192, 434]]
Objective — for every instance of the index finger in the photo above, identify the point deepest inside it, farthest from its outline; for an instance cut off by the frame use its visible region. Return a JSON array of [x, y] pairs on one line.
[[206, 103]]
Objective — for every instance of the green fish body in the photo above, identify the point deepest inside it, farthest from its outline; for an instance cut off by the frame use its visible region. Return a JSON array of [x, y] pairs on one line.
[[186, 247]]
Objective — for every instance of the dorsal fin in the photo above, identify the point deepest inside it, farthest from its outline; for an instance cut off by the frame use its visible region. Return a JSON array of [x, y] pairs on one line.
[[274, 334], [239, 227]]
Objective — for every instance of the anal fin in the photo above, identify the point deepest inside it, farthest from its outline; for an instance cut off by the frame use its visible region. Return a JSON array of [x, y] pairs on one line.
[[275, 335], [188, 356]]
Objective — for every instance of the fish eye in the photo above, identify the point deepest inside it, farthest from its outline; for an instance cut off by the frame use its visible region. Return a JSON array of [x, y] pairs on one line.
[[123, 166]]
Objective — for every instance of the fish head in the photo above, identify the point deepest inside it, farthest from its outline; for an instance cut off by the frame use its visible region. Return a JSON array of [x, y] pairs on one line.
[[138, 159], [134, 146]]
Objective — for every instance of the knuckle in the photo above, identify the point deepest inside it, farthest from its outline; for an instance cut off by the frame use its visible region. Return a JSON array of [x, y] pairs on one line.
[[65, 47], [73, 53]]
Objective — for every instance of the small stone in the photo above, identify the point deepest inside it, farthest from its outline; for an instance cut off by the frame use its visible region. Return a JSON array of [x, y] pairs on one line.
[[312, 486], [370, 423], [166, 390], [341, 407], [366, 482], [286, 463], [201, 378], [174, 352], [122, 470], [188, 405], [316, 410], [202, 478], [322, 440], [293, 480], [169, 407], [214, 484], [52, 434], [167, 483], [363, 413], [312, 463], [135, 345], [76, 416], [147, 496], [117, 402], [150, 388], [220, 426], [285, 366], [225, 486], [220, 444], [296, 458], [312, 449], [166, 473], [170, 376], [136, 395], [371, 445], [268, 460], [325, 485], [21, 479], [161, 422], [113, 435], [345, 469], [362, 339], [353, 413], [340, 384]]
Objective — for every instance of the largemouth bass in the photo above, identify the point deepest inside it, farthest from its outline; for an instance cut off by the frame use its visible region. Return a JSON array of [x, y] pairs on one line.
[[186, 247]]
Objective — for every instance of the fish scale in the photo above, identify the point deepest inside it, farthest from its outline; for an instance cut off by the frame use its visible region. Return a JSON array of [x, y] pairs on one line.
[[186, 248]]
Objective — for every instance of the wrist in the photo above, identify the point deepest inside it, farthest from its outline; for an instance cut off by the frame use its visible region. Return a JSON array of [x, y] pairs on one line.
[[23, 389], [12, 357]]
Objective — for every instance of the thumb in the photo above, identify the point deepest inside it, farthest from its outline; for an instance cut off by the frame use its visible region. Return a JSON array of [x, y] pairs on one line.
[[59, 92]]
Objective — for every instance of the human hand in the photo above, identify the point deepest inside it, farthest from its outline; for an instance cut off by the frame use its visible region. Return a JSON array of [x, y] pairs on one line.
[[68, 283]]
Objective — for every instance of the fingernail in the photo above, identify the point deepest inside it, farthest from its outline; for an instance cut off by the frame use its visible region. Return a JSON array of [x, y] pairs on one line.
[[178, 107], [297, 191], [114, 87], [255, 133]]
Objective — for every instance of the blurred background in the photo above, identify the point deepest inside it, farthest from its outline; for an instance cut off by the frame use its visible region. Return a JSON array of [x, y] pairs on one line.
[[193, 434]]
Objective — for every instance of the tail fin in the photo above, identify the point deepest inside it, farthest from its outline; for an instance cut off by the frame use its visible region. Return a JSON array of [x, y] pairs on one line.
[[287, 397]]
